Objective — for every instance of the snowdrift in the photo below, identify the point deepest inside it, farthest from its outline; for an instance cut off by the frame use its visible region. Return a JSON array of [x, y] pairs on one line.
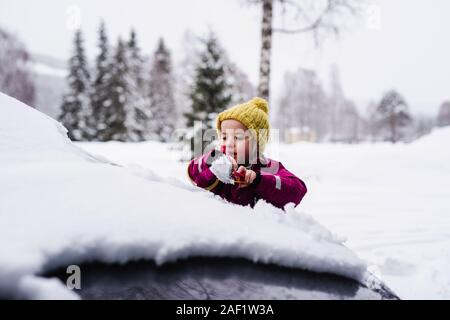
[[60, 205]]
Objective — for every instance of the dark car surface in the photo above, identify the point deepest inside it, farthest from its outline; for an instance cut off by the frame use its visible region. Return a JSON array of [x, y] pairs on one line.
[[215, 278]]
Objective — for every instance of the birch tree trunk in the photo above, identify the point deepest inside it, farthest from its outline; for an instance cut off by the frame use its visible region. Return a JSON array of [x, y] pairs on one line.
[[266, 48]]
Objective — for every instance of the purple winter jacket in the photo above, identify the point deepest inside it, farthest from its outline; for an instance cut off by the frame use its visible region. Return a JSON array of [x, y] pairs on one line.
[[274, 183]]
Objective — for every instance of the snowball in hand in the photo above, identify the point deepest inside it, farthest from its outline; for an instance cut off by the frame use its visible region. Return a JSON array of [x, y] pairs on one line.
[[221, 167]]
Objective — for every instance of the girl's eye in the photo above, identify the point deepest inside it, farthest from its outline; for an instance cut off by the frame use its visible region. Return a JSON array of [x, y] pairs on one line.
[[224, 138]]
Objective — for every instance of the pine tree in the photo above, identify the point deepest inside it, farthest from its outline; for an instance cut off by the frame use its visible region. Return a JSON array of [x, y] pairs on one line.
[[75, 106], [137, 107], [210, 91], [100, 97], [393, 116], [115, 115], [162, 99]]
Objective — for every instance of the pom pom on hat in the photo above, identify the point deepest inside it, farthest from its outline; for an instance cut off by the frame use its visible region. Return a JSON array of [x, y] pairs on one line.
[[260, 103]]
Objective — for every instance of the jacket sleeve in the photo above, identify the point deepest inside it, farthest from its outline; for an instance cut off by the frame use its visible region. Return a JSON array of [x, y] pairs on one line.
[[280, 188], [199, 173]]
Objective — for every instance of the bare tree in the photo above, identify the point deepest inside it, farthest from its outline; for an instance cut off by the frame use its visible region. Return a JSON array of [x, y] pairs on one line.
[[266, 48], [303, 104], [305, 107], [319, 17], [16, 76], [345, 121]]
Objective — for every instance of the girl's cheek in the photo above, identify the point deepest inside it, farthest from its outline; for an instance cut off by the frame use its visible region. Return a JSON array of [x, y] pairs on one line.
[[240, 146], [243, 149]]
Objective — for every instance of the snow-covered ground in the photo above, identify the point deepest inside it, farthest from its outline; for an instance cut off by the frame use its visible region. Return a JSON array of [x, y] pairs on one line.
[[60, 205], [392, 202]]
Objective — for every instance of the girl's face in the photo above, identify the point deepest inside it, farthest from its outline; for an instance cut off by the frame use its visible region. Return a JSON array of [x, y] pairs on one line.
[[236, 138]]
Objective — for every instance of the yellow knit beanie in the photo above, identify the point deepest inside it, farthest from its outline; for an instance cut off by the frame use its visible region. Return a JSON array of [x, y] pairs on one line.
[[254, 114]]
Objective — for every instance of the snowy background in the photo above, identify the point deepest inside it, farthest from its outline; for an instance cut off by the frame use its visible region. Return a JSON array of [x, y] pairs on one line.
[[60, 205], [391, 202], [364, 120]]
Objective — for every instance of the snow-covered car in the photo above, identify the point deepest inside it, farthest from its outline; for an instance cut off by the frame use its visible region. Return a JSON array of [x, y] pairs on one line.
[[217, 278], [134, 234]]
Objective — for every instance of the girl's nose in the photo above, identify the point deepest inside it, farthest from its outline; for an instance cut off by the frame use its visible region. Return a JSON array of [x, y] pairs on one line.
[[229, 143]]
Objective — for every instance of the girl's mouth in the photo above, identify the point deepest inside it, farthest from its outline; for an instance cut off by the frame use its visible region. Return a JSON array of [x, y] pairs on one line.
[[231, 153]]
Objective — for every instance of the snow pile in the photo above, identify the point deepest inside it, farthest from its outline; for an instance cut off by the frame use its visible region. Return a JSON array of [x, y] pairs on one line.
[[390, 201], [29, 136], [60, 205]]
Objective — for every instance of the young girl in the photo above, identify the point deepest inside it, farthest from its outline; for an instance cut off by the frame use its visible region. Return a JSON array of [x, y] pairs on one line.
[[239, 172]]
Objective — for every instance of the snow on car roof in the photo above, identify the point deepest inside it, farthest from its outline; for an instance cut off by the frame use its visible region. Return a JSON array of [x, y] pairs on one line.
[[60, 205]]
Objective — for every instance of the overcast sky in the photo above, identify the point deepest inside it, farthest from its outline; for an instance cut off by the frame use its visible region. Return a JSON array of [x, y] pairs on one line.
[[400, 44]]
